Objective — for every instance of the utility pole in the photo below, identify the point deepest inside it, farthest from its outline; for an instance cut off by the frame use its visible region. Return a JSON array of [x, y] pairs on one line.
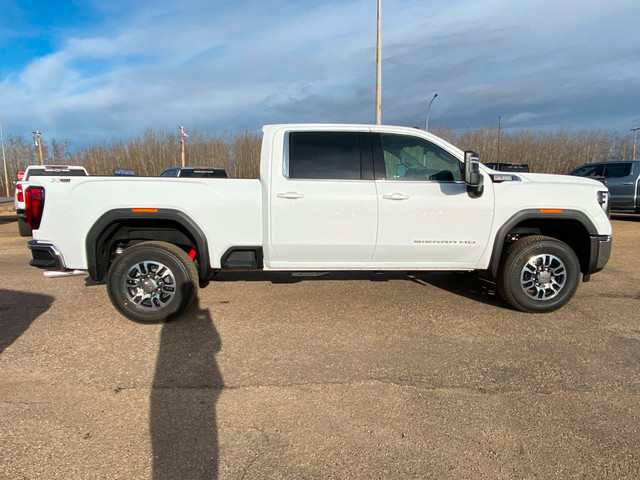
[[634, 130], [4, 160], [379, 67], [182, 136], [36, 142]]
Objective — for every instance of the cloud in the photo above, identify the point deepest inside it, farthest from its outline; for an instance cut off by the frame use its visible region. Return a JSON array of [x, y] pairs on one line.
[[218, 65]]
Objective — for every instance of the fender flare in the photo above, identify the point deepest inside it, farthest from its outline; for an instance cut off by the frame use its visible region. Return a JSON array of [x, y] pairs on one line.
[[533, 214], [96, 267]]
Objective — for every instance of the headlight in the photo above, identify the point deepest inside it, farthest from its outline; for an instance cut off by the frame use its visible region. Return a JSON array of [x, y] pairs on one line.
[[603, 200]]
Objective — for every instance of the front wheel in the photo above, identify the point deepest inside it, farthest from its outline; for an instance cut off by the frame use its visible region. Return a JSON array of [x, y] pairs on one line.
[[152, 281], [539, 274]]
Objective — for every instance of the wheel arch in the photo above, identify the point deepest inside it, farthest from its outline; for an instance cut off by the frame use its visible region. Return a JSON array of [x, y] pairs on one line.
[[125, 225], [572, 227]]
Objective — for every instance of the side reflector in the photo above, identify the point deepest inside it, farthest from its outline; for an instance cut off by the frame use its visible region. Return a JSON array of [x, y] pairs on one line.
[[144, 210], [551, 210]]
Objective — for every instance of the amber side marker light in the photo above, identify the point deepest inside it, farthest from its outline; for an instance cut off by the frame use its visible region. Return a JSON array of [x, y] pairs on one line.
[[551, 210], [144, 210]]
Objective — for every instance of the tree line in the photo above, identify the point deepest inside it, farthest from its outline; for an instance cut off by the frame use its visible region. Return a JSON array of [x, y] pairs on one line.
[[154, 150]]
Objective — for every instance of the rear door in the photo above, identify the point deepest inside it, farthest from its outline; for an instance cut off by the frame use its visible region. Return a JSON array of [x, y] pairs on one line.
[[323, 210]]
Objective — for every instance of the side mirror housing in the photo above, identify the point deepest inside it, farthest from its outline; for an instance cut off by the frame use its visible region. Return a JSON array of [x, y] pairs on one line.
[[472, 175]]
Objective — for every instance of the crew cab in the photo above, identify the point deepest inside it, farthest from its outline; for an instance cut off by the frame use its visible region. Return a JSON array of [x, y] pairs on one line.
[[329, 197], [621, 178], [23, 181]]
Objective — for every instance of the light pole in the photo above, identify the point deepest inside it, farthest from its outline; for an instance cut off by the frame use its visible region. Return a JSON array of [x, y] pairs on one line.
[[429, 108], [634, 130], [379, 67], [4, 159]]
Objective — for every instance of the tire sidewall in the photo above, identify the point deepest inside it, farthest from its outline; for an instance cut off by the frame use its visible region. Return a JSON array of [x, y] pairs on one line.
[[513, 269], [141, 253]]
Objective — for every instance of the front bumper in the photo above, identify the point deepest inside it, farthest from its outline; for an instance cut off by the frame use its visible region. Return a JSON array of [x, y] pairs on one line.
[[46, 255], [600, 253]]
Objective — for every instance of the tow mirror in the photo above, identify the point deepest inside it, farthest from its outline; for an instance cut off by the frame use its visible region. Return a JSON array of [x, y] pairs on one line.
[[472, 175]]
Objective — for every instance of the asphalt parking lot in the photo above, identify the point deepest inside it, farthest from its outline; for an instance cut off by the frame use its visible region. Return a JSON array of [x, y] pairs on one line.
[[345, 376]]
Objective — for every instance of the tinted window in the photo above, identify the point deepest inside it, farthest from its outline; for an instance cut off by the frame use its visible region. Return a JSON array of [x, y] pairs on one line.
[[588, 171], [617, 170], [203, 173], [55, 173], [324, 155], [170, 173], [412, 158]]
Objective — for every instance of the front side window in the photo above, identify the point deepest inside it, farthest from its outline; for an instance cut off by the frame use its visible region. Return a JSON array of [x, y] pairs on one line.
[[412, 158], [589, 171], [617, 170], [324, 155]]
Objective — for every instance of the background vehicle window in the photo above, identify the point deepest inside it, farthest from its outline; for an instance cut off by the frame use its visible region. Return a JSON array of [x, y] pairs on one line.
[[411, 158], [324, 155], [56, 173], [617, 170], [588, 171]]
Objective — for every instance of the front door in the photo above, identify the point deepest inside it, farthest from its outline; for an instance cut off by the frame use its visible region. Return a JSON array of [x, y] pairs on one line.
[[426, 217]]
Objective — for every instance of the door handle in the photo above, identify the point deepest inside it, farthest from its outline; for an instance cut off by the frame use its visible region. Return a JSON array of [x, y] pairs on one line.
[[395, 196], [290, 195], [628, 183]]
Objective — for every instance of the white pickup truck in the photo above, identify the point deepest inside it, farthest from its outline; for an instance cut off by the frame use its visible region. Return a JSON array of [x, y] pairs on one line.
[[23, 182], [329, 197]]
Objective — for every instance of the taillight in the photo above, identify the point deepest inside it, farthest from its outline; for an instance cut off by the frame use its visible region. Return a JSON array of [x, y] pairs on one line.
[[34, 204], [19, 193]]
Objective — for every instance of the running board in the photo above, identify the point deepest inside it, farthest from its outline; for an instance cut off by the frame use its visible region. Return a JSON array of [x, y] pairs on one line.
[[65, 273]]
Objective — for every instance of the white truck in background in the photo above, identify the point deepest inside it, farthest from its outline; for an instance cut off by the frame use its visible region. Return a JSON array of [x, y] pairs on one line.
[[329, 197]]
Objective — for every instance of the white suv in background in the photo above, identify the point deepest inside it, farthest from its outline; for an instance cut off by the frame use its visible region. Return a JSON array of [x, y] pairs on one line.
[[23, 182]]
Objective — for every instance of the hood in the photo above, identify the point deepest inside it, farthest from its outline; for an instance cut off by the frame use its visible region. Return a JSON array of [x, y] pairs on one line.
[[567, 179]]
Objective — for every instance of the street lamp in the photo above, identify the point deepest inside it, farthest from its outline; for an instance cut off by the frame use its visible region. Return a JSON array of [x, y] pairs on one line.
[[429, 108], [634, 141]]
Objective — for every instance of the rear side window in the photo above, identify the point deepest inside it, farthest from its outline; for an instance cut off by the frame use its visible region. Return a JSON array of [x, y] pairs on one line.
[[324, 155], [56, 173], [617, 170], [203, 173]]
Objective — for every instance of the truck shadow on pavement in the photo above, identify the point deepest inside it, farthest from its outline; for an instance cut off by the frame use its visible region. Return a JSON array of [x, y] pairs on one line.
[[463, 284], [186, 387], [18, 310], [467, 285]]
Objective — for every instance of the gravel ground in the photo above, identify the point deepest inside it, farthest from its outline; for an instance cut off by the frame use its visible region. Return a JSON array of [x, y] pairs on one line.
[[345, 376]]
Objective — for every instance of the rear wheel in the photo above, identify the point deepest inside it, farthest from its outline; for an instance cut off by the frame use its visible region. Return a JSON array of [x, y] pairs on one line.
[[24, 228], [152, 281], [539, 274]]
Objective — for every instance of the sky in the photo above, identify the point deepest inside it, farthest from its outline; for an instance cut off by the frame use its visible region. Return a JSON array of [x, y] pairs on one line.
[[89, 71]]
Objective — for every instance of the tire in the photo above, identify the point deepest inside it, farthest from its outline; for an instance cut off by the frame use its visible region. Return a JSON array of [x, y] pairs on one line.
[[24, 228], [152, 282], [539, 274]]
